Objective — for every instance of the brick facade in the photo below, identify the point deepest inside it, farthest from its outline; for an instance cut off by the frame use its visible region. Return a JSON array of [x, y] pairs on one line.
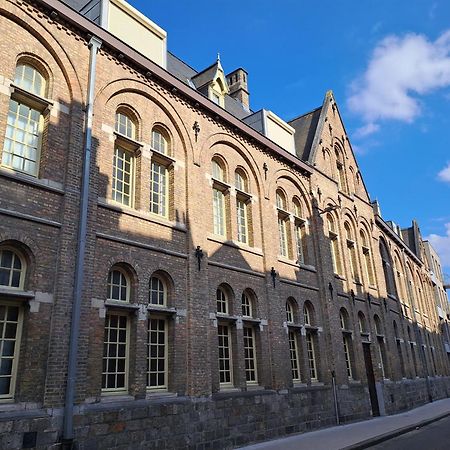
[[40, 216]]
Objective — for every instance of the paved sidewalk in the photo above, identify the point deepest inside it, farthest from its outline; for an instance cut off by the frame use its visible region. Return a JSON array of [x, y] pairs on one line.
[[360, 434]]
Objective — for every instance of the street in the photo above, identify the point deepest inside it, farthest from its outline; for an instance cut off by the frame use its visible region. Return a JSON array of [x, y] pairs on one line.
[[435, 436]]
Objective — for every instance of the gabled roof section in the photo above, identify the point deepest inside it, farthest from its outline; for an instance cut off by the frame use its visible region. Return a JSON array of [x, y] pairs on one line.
[[186, 73], [305, 129], [210, 75], [315, 135]]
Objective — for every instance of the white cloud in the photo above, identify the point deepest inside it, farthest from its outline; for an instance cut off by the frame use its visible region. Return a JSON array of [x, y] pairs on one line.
[[366, 130], [401, 69], [444, 174], [442, 245]]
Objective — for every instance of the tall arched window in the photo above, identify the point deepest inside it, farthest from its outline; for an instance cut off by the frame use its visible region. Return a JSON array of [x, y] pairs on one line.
[[398, 342], [243, 207], [381, 345], [300, 231], [116, 336], [12, 268], [334, 244], [311, 338], [367, 258], [225, 330], [351, 251], [219, 197], [283, 229], [12, 275], [157, 334], [124, 159], [25, 123], [347, 341], [293, 338], [159, 173], [342, 184], [387, 268]]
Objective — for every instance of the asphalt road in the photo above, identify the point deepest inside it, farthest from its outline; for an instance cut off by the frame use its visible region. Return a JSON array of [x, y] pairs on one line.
[[435, 436]]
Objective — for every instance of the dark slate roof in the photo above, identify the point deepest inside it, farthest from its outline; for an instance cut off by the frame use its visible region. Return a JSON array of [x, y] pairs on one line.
[[186, 74], [205, 76], [179, 68], [305, 129]]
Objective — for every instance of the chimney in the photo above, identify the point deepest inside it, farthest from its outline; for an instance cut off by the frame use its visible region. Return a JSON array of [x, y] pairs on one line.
[[237, 84]]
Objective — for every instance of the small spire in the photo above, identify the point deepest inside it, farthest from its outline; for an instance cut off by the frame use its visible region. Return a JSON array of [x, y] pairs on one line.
[[218, 57]]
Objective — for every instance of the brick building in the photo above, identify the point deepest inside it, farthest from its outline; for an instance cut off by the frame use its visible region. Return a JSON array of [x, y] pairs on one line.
[[179, 271]]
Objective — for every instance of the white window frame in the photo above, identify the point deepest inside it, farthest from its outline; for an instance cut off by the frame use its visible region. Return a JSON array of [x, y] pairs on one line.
[[15, 357], [158, 387], [124, 389]]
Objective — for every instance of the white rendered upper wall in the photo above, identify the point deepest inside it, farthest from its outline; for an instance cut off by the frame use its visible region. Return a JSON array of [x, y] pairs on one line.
[[127, 24], [273, 127], [136, 30]]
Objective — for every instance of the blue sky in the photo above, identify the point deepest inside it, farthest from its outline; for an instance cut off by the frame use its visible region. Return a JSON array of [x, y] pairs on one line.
[[387, 62]]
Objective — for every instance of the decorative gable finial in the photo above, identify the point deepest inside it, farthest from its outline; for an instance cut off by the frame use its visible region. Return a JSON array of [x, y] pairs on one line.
[[218, 57]]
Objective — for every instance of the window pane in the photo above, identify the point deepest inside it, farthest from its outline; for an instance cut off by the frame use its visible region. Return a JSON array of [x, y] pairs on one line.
[[122, 179], [157, 353], [22, 127], [158, 189], [115, 364], [9, 322]]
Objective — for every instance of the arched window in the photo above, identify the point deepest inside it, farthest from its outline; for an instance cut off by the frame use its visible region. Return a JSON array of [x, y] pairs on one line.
[[398, 342], [381, 345], [118, 285], [124, 160], [241, 181], [283, 217], [351, 250], [342, 184], [347, 341], [378, 326], [307, 314], [157, 291], [281, 200], [116, 337], [293, 338], [311, 338], [243, 206], [387, 268], [12, 268], [222, 301], [300, 231], [125, 125], [362, 323], [160, 172], [157, 335], [247, 305], [219, 198], [160, 143], [367, 258], [29, 78], [218, 171], [225, 330], [334, 244], [25, 123]]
